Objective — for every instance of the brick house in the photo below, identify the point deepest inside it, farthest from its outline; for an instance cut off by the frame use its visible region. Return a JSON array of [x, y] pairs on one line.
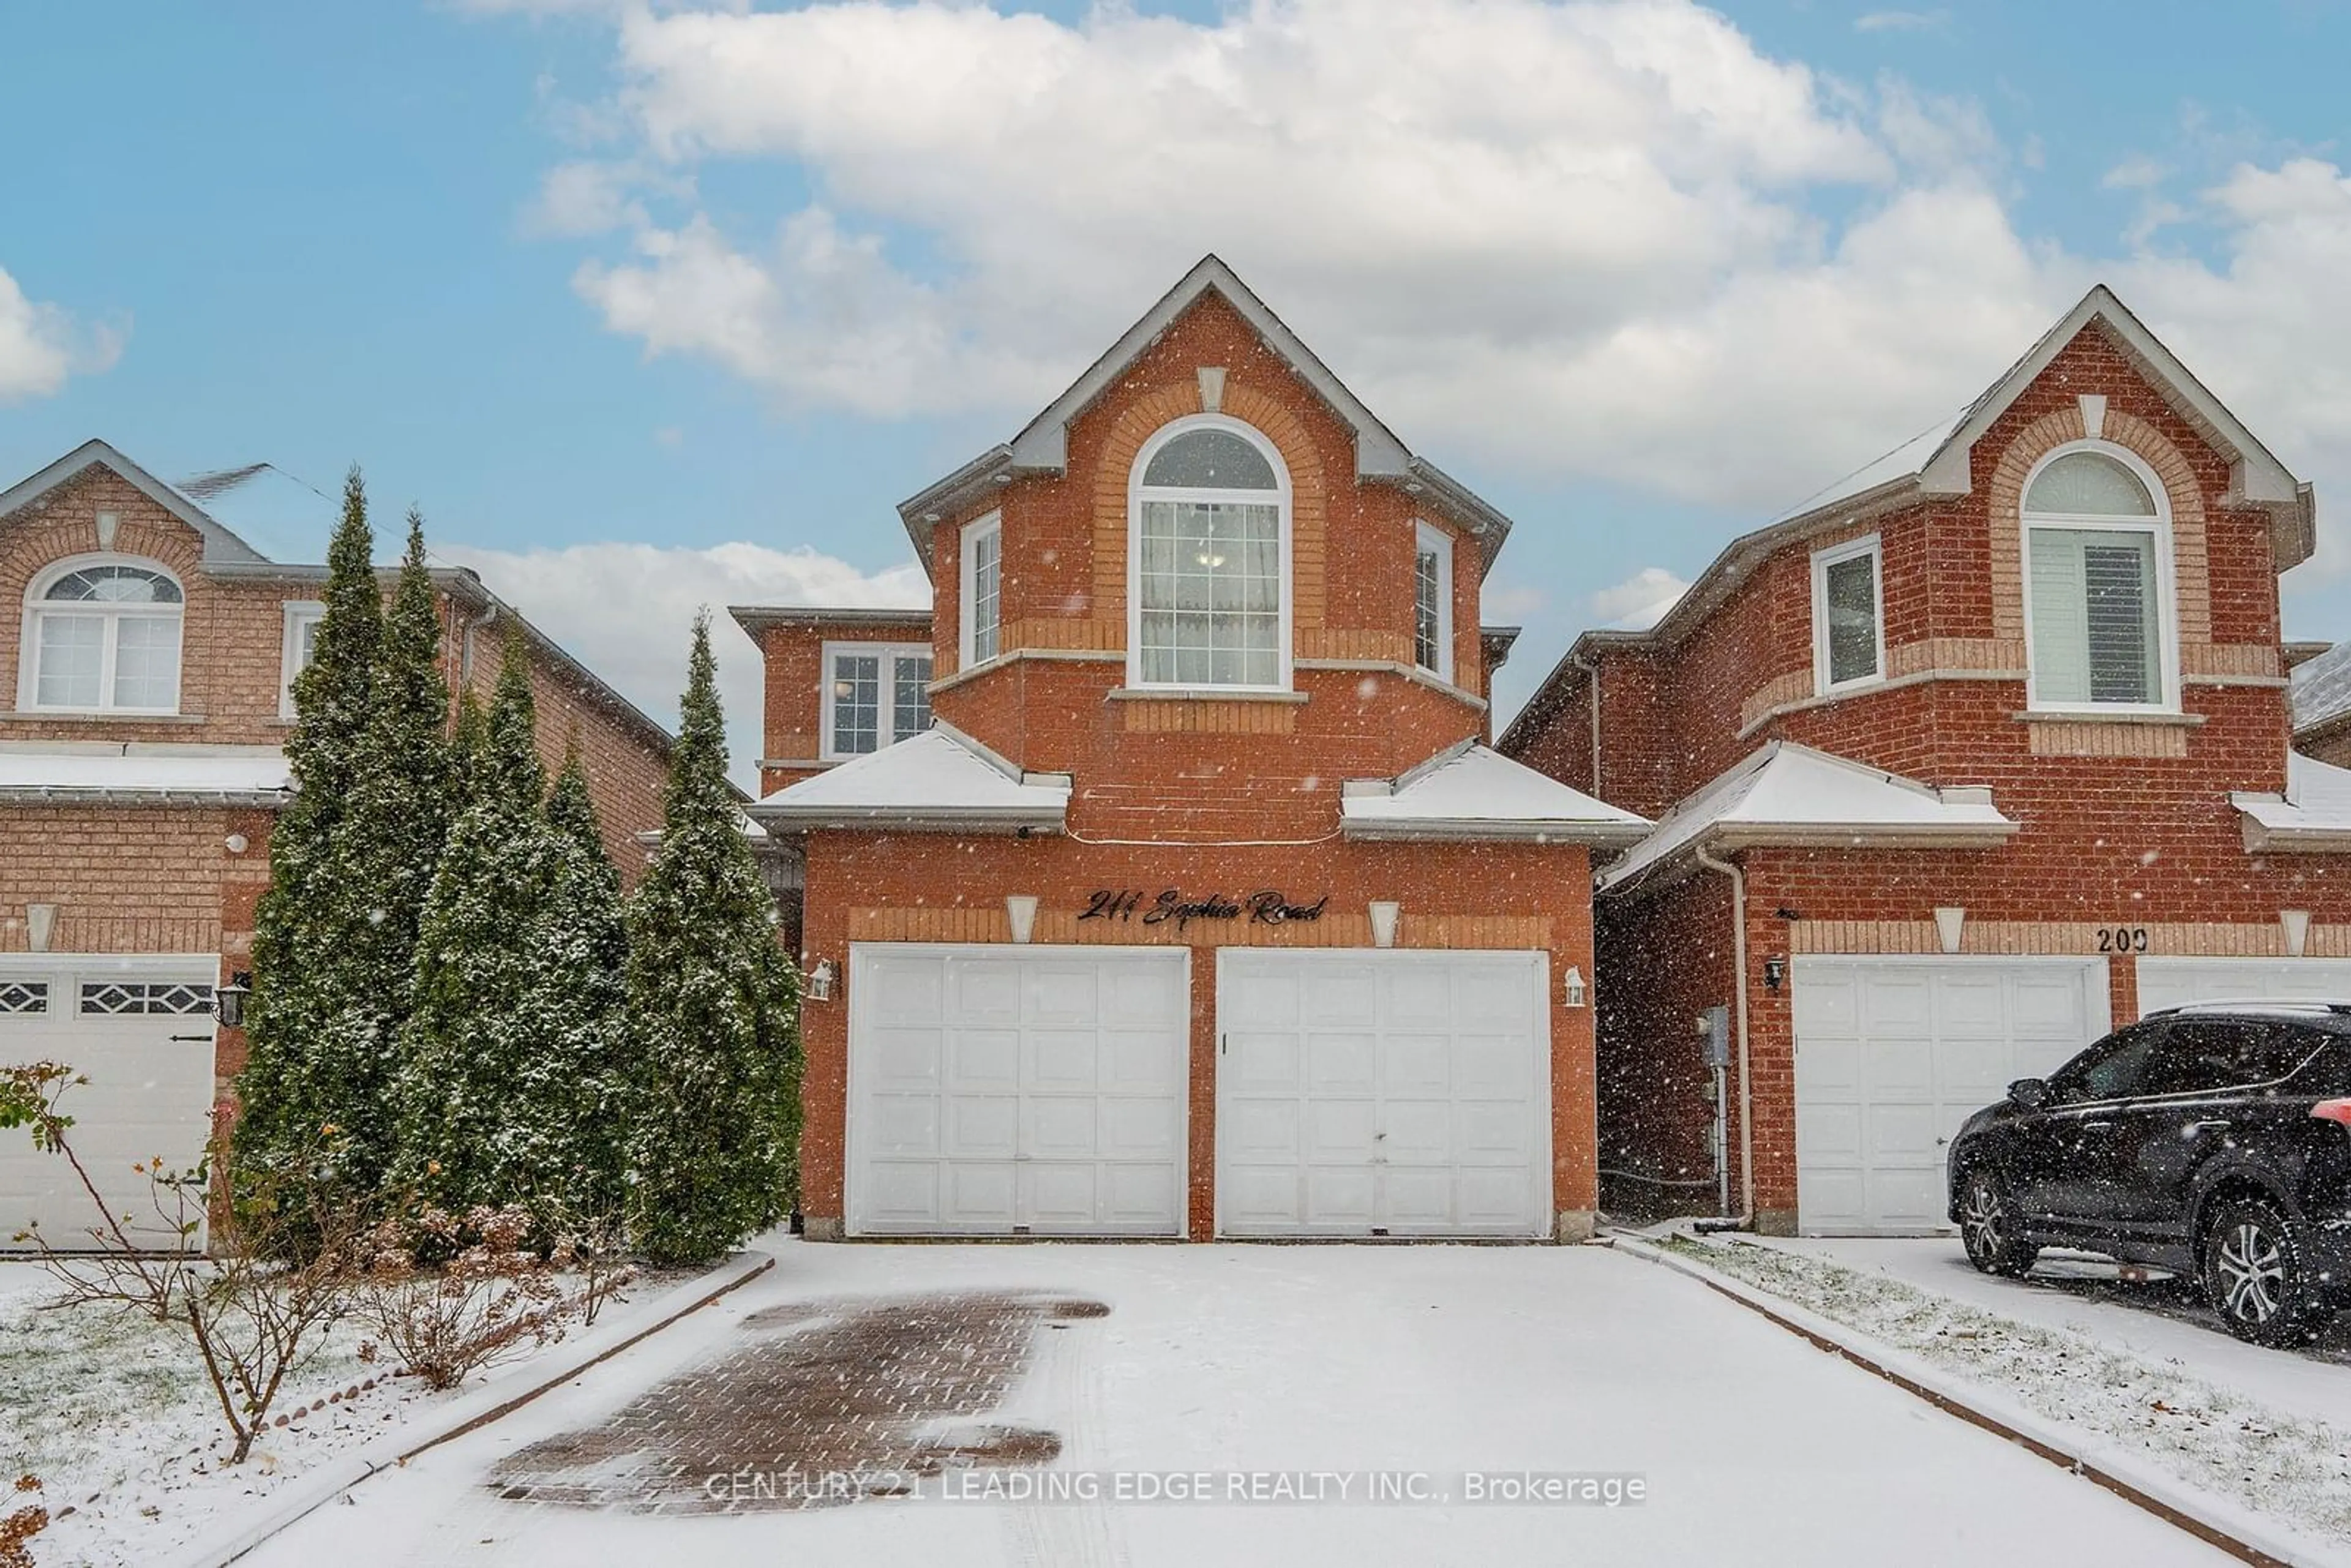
[[141, 764], [1159, 882], [1978, 753]]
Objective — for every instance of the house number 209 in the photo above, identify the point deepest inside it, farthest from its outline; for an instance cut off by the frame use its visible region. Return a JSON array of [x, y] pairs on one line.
[[2121, 939]]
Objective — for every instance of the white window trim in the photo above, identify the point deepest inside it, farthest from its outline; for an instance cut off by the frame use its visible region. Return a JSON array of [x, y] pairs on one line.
[[1426, 536], [28, 651], [987, 527], [889, 653], [1872, 547], [2166, 593], [1159, 438], [297, 611]]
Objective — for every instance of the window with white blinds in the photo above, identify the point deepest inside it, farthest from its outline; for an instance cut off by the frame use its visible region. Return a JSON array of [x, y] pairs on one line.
[[2099, 622]]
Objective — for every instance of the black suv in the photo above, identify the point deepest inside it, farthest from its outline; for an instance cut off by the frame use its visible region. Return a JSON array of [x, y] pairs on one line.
[[2213, 1140]]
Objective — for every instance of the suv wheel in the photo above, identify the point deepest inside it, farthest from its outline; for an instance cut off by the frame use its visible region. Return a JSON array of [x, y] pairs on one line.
[[2257, 1275], [1990, 1229]]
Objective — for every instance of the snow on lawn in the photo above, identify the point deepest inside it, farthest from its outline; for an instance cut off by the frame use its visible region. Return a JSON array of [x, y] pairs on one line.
[[2164, 1320], [2280, 1463], [113, 1413]]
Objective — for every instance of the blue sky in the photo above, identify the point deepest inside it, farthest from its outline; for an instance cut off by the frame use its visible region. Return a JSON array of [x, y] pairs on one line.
[[1679, 269]]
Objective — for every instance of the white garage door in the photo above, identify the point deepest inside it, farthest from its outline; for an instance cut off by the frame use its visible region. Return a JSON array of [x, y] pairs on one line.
[[1007, 1091], [142, 1032], [1379, 1093], [2172, 982], [1892, 1054]]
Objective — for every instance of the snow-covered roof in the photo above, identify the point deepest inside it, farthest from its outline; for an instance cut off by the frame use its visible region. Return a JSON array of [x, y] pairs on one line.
[[1903, 463], [1786, 794], [941, 781], [2322, 688], [2314, 814], [1474, 792], [141, 773]]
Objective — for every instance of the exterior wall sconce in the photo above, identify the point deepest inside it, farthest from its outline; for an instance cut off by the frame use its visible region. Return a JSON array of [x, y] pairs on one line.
[[1020, 908], [2297, 931], [1571, 987], [1384, 922], [228, 1001], [820, 982], [1775, 974]]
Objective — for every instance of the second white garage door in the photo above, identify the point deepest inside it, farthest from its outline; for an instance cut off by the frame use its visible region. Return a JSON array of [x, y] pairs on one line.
[[1383, 1093], [1002, 1091], [2172, 982], [1892, 1054]]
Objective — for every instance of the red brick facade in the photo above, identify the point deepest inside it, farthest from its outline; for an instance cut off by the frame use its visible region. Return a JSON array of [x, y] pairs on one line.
[[2123, 822], [1233, 792]]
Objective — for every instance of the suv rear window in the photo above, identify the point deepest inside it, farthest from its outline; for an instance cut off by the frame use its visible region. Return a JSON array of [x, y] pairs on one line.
[[2203, 1055]]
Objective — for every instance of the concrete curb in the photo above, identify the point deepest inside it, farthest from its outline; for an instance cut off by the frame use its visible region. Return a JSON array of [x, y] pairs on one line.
[[499, 1396], [2241, 1533]]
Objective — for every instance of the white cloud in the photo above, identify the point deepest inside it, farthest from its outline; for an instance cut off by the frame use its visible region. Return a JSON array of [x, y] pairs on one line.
[[622, 609], [1581, 240], [1639, 602], [42, 345]]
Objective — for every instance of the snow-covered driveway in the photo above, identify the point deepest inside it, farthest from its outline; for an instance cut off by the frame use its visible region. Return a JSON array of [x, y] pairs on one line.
[[1442, 1360]]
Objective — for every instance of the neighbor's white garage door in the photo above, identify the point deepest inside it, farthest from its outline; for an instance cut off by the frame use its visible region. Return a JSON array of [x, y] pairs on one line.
[[142, 1032], [1892, 1054], [1003, 1090], [1383, 1093], [2172, 982]]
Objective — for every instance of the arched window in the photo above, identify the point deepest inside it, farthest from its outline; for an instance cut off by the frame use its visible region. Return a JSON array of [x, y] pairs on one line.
[[103, 637], [2097, 582], [1208, 553]]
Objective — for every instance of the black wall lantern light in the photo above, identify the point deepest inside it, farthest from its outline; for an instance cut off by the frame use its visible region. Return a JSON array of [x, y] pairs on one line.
[[228, 1001], [1775, 971]]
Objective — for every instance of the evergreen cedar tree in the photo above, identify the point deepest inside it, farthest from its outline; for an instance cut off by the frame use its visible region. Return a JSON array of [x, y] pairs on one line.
[[506, 1063], [316, 1027], [713, 1006], [446, 973]]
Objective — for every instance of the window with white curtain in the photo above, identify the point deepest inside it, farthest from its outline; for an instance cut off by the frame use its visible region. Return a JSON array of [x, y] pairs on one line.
[[103, 637], [2096, 571], [1210, 568], [875, 694]]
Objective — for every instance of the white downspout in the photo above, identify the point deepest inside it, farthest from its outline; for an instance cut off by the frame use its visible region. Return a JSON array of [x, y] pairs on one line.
[[1738, 1000], [1592, 685]]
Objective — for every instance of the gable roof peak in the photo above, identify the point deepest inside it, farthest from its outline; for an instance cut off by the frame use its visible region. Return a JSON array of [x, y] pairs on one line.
[[1042, 444], [222, 546]]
